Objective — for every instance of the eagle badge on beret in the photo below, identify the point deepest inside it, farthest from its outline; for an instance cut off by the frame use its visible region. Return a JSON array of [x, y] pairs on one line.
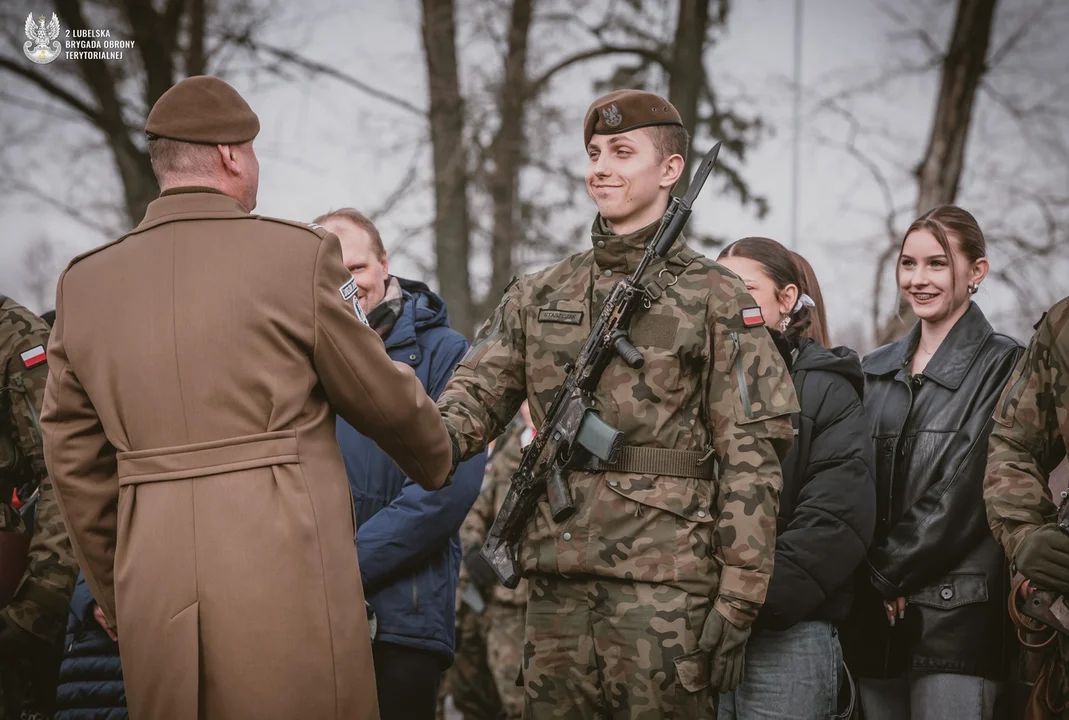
[[612, 116]]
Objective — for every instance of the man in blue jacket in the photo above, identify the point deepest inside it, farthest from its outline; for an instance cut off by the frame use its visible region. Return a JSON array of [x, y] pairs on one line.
[[407, 540]]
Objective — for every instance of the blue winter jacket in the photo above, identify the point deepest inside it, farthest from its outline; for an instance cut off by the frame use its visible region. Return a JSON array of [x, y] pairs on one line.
[[407, 538], [90, 677]]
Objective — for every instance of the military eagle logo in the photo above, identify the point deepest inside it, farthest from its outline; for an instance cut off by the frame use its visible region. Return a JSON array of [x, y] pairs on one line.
[[612, 116], [40, 37]]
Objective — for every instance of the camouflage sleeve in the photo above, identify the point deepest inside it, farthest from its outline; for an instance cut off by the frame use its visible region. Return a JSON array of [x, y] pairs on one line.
[[1029, 436], [40, 604], [477, 523], [749, 401], [489, 386]]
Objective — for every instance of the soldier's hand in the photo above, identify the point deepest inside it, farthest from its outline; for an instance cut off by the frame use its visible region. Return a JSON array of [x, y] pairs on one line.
[[481, 574], [727, 643], [1043, 558]]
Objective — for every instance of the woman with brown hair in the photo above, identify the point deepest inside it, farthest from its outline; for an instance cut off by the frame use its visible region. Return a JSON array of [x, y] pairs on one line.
[[827, 507], [929, 630]]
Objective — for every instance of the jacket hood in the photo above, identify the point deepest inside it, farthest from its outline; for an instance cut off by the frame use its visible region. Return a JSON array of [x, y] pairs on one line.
[[423, 310], [841, 360]]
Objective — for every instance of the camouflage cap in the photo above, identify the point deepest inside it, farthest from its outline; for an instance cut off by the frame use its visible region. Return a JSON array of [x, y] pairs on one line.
[[205, 110], [624, 110]]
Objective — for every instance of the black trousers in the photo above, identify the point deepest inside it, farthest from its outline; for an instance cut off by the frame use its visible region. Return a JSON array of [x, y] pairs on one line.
[[407, 681]]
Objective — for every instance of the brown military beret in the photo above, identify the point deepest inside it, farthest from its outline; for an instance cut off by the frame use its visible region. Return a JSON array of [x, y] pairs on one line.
[[203, 109], [624, 110]]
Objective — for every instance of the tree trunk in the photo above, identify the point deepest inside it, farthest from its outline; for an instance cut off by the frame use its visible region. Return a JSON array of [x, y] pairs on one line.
[[688, 73], [195, 54], [939, 174], [452, 225], [507, 154]]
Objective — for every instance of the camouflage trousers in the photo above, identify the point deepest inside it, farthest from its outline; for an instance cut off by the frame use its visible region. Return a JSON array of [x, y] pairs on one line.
[[504, 654], [469, 680], [606, 648]]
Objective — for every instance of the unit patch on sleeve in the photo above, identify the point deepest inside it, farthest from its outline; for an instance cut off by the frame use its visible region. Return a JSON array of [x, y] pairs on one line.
[[348, 292]]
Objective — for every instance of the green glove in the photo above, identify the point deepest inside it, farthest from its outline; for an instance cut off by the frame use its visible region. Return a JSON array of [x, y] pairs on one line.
[[727, 643], [1043, 558]]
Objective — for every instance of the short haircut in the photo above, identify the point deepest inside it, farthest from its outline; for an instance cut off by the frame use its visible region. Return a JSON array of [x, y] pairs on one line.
[[361, 221], [174, 157], [669, 140]]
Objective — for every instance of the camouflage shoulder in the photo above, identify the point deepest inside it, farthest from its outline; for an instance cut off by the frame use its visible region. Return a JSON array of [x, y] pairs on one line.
[[315, 229], [19, 329], [1057, 318], [729, 300]]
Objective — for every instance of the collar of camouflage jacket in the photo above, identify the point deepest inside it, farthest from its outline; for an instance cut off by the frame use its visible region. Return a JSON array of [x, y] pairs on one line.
[[622, 253]]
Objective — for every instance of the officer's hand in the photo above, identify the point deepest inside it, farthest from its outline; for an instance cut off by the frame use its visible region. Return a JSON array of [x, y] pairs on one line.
[[102, 621], [727, 643], [1043, 558]]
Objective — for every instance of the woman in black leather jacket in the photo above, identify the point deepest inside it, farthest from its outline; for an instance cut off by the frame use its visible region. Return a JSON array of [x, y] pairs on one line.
[[929, 633]]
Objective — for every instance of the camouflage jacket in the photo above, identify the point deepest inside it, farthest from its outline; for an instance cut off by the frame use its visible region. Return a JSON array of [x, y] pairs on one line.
[[496, 481], [709, 383], [40, 604], [1030, 434]]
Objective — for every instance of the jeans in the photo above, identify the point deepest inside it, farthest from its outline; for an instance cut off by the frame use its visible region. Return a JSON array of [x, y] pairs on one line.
[[929, 696], [791, 674]]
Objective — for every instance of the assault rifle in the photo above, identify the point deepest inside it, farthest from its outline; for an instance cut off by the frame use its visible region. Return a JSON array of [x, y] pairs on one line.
[[573, 430]]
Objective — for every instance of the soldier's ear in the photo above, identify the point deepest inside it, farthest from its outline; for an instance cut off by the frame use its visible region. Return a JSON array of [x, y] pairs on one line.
[[671, 170]]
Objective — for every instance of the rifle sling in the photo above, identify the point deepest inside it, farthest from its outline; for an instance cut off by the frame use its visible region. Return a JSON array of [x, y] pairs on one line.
[[638, 460]]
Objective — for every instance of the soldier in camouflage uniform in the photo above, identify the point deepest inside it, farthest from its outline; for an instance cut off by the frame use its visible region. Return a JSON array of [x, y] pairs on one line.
[[1028, 441], [639, 605], [33, 623]]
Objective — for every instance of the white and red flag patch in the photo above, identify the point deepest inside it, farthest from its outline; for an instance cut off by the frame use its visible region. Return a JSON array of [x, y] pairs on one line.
[[33, 357], [752, 317]]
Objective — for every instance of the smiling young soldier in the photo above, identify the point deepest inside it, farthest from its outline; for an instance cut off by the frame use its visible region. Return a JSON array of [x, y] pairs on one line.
[[640, 604]]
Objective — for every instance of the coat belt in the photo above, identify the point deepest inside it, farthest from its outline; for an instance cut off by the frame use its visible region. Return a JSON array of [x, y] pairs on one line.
[[208, 458]]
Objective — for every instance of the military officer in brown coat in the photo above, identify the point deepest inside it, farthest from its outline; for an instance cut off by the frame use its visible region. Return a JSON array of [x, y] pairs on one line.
[[195, 368]]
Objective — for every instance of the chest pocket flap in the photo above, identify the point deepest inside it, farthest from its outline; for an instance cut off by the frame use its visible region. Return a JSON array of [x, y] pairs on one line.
[[953, 591]]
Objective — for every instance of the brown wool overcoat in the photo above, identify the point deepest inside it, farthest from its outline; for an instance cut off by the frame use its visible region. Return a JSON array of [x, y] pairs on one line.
[[195, 368]]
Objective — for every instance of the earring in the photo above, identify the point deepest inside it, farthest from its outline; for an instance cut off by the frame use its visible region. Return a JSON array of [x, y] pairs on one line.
[[973, 289], [784, 323]]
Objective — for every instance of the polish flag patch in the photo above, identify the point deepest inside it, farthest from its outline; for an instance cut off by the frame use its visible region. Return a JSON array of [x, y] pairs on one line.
[[33, 357], [752, 317]]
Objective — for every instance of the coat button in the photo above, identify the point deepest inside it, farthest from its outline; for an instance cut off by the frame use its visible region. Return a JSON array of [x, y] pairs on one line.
[[567, 536], [701, 513], [614, 483], [608, 273], [601, 244], [947, 593], [412, 357]]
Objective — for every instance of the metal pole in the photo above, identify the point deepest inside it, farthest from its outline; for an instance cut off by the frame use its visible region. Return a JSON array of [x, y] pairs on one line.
[[797, 141]]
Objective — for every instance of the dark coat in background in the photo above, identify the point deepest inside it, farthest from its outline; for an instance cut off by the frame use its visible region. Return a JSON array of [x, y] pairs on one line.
[[932, 544], [90, 677], [828, 504]]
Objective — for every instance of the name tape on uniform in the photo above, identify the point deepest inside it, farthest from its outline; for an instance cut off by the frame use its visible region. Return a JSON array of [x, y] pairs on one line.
[[752, 317], [33, 357], [348, 292]]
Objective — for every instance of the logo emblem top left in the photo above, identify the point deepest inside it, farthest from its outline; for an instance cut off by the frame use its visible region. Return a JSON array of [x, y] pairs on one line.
[[42, 47]]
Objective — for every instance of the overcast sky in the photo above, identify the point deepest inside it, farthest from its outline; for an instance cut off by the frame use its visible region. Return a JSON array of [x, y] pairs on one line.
[[324, 145]]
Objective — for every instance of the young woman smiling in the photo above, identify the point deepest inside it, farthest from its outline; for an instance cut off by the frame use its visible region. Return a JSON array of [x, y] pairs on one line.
[[928, 635]]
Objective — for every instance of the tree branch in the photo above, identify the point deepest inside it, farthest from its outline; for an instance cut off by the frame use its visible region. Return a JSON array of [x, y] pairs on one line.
[[317, 67], [59, 93], [538, 84], [1017, 36]]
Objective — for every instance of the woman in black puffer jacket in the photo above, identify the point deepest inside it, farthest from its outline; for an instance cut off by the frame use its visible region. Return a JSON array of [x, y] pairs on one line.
[[827, 507], [90, 678]]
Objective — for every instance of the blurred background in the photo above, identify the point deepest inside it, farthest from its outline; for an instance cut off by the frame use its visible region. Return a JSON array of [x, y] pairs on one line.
[[456, 125]]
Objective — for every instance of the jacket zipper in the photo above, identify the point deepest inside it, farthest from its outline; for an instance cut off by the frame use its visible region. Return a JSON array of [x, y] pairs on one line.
[[740, 376], [498, 320], [890, 492]]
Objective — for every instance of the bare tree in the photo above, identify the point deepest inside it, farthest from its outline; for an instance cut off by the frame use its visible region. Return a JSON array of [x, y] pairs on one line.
[[939, 173], [39, 268]]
